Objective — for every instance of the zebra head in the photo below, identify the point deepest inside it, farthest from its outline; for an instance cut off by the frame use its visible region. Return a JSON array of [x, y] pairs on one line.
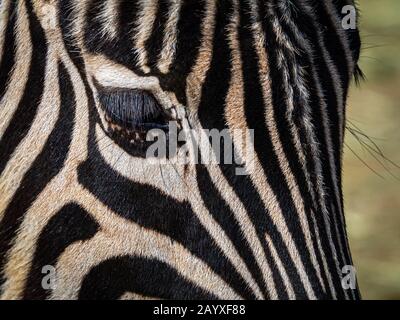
[[88, 87]]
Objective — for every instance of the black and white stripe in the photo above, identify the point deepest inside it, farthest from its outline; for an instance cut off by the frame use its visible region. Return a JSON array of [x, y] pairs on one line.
[[114, 224]]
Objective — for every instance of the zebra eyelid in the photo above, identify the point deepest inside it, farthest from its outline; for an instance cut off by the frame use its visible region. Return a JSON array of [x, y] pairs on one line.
[[110, 74]]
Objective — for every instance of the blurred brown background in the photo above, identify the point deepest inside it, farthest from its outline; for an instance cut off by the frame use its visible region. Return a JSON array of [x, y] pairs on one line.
[[372, 199]]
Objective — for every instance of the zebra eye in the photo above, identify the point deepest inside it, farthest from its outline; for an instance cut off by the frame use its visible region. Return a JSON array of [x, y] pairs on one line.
[[132, 110]]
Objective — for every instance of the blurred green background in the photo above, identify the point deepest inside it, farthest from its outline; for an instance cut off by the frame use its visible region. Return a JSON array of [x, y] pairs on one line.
[[372, 199]]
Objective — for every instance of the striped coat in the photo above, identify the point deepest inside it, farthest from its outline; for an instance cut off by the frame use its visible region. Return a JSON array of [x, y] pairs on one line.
[[84, 214]]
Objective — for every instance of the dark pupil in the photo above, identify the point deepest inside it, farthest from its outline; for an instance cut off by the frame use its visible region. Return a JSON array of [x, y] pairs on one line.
[[132, 109]]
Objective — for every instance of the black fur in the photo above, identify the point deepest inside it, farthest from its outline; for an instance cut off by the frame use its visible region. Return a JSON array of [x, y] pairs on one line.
[[71, 224], [148, 277]]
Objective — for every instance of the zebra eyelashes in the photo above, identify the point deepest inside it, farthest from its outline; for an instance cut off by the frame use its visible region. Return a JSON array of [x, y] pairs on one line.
[[132, 109], [127, 115]]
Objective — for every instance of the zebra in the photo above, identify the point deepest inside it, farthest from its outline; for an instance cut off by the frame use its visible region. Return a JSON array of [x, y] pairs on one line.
[[84, 214]]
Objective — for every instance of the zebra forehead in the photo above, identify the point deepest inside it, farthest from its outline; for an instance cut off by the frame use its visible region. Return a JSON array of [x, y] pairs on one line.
[[174, 40]]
